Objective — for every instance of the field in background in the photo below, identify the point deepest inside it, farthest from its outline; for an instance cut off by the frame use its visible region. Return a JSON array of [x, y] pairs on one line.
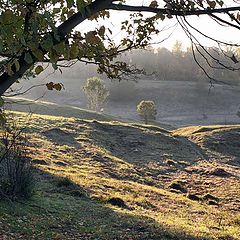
[[179, 103]]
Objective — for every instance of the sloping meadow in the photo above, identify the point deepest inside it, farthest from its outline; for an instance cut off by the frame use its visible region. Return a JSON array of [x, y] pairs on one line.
[[112, 180]]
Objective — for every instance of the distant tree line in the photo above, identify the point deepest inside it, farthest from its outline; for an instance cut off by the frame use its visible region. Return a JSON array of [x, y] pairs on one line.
[[181, 65], [177, 64]]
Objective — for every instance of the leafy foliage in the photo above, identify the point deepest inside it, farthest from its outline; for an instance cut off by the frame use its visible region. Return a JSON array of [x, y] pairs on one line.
[[147, 110], [96, 93]]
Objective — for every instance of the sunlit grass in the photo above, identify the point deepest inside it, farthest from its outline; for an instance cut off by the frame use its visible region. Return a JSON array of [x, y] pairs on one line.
[[90, 159]]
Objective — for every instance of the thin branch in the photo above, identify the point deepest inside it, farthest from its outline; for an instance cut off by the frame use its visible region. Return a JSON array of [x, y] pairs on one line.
[[211, 38], [24, 92], [224, 66], [224, 21], [171, 11], [189, 35]]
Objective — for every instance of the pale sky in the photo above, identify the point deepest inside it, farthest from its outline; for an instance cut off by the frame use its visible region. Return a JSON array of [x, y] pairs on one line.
[[203, 23]]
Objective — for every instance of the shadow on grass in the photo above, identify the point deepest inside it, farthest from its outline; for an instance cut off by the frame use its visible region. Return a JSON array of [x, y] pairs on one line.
[[225, 142], [57, 212], [141, 145], [60, 137]]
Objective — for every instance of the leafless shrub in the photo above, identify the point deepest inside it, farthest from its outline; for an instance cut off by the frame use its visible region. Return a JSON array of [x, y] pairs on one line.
[[16, 178]]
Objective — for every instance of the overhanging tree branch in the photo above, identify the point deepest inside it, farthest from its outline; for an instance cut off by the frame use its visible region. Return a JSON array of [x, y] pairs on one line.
[[6, 80]]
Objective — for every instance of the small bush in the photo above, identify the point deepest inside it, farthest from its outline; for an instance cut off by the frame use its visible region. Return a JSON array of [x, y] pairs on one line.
[[16, 175], [147, 110]]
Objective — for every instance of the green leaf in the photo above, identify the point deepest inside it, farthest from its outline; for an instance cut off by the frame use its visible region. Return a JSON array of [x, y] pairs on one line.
[[28, 58], [101, 31], [161, 16], [7, 16], [74, 51], [9, 70], [154, 4], [70, 3], [38, 54], [59, 48], [80, 6], [212, 4], [56, 10], [58, 86], [39, 69], [53, 56], [50, 86], [47, 43], [17, 65], [220, 3]]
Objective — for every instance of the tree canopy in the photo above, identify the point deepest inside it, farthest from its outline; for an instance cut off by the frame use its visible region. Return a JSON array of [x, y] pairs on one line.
[[147, 110], [96, 93], [37, 31]]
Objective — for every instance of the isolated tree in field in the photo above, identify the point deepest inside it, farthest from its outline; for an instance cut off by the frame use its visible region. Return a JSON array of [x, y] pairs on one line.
[[147, 110], [37, 31], [96, 93]]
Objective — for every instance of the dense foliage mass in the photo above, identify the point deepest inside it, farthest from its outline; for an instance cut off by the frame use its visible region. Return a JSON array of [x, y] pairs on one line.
[[147, 110], [96, 93]]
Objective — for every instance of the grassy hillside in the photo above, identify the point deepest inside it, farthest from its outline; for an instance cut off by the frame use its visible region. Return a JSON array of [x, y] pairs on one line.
[[112, 180]]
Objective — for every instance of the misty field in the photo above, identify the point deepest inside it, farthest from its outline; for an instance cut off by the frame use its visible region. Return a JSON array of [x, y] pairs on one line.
[[178, 103]]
